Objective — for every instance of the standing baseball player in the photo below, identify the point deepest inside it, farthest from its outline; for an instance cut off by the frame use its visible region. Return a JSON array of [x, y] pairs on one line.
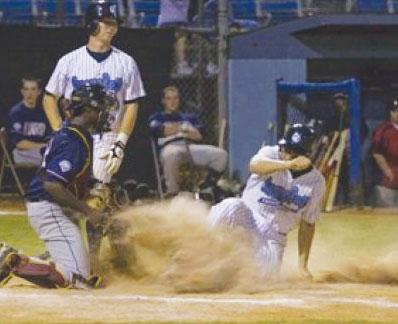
[[55, 199], [284, 190], [98, 62]]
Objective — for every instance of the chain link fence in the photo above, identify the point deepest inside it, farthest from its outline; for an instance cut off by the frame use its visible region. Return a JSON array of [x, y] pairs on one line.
[[196, 78]]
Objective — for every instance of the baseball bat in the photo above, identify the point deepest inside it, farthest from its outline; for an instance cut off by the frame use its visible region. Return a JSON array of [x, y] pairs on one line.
[[338, 159], [319, 148], [329, 151], [221, 135]]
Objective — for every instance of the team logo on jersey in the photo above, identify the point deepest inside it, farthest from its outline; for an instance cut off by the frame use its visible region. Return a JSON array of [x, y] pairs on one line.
[[110, 86], [293, 199], [17, 126], [34, 129], [65, 166]]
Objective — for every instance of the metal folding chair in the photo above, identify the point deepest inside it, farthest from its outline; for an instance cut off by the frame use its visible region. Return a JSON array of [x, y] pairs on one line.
[[6, 162], [159, 178]]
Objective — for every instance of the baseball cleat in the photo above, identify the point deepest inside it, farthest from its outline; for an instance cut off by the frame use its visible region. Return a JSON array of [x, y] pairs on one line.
[[95, 281]]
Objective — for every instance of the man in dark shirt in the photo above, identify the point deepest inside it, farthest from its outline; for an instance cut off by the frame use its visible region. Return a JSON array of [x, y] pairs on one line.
[[178, 135], [27, 125]]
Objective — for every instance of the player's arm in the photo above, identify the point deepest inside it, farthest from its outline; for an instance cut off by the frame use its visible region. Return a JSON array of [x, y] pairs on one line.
[[194, 129], [170, 129], [115, 156], [16, 136], [65, 198], [193, 134], [383, 165], [305, 237], [263, 165], [133, 91], [29, 145], [129, 119], [50, 106]]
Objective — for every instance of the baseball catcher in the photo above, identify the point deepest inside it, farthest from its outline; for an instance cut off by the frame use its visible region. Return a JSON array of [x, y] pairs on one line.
[[56, 196]]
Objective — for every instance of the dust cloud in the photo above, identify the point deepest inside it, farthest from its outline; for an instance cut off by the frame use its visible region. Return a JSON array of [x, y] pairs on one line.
[[175, 249]]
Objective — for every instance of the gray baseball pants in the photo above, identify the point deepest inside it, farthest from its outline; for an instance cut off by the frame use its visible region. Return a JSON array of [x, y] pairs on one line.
[[269, 245], [62, 237], [27, 156], [173, 154]]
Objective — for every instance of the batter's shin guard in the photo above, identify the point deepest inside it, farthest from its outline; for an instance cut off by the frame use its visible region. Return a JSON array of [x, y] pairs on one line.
[[43, 274]]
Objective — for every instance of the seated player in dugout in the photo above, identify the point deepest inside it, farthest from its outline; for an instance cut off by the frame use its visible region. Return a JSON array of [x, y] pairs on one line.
[[28, 128], [284, 190], [55, 199], [178, 136]]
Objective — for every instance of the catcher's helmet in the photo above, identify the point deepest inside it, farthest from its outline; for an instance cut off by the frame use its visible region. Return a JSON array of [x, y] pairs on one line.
[[93, 96], [98, 10], [298, 139]]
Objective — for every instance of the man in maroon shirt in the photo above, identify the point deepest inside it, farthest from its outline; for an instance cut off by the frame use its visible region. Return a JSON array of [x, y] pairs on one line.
[[385, 153]]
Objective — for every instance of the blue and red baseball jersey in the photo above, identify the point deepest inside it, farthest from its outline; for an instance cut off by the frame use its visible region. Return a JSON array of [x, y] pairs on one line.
[[68, 160], [27, 124]]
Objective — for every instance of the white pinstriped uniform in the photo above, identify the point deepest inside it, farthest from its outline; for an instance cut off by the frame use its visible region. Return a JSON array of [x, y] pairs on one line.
[[271, 206], [118, 74]]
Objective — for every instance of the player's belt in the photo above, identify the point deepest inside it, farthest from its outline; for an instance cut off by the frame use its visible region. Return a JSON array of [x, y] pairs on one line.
[[283, 234]]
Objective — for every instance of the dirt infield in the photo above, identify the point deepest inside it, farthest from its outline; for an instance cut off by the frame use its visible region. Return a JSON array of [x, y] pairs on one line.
[[299, 302], [11, 203], [192, 274]]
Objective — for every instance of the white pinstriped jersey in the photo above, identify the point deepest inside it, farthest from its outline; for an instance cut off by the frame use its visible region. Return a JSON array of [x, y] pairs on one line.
[[118, 74], [283, 201]]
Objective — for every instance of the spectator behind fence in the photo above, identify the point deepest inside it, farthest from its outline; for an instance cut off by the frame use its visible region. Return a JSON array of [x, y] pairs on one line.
[[27, 124], [174, 14], [177, 136], [385, 153]]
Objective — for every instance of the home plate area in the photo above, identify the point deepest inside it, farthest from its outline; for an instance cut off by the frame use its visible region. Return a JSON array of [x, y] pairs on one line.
[[294, 302]]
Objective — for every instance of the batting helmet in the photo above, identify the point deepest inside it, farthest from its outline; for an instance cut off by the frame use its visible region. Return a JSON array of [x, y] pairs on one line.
[[98, 10], [298, 139]]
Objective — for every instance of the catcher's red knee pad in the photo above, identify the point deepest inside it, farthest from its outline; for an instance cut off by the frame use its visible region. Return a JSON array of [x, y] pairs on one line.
[[42, 274]]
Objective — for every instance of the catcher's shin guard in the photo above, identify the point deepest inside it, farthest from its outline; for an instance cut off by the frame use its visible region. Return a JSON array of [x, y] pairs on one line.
[[43, 274], [5, 271], [99, 199], [123, 255], [94, 237]]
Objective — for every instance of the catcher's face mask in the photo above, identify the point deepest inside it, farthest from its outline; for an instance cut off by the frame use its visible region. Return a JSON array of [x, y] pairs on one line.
[[105, 118]]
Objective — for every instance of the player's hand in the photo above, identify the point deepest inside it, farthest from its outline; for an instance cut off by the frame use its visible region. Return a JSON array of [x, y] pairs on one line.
[[389, 174], [171, 128], [114, 158], [305, 273], [300, 163]]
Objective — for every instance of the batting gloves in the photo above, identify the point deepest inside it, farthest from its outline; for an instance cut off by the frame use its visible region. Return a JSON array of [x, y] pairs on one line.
[[114, 156]]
